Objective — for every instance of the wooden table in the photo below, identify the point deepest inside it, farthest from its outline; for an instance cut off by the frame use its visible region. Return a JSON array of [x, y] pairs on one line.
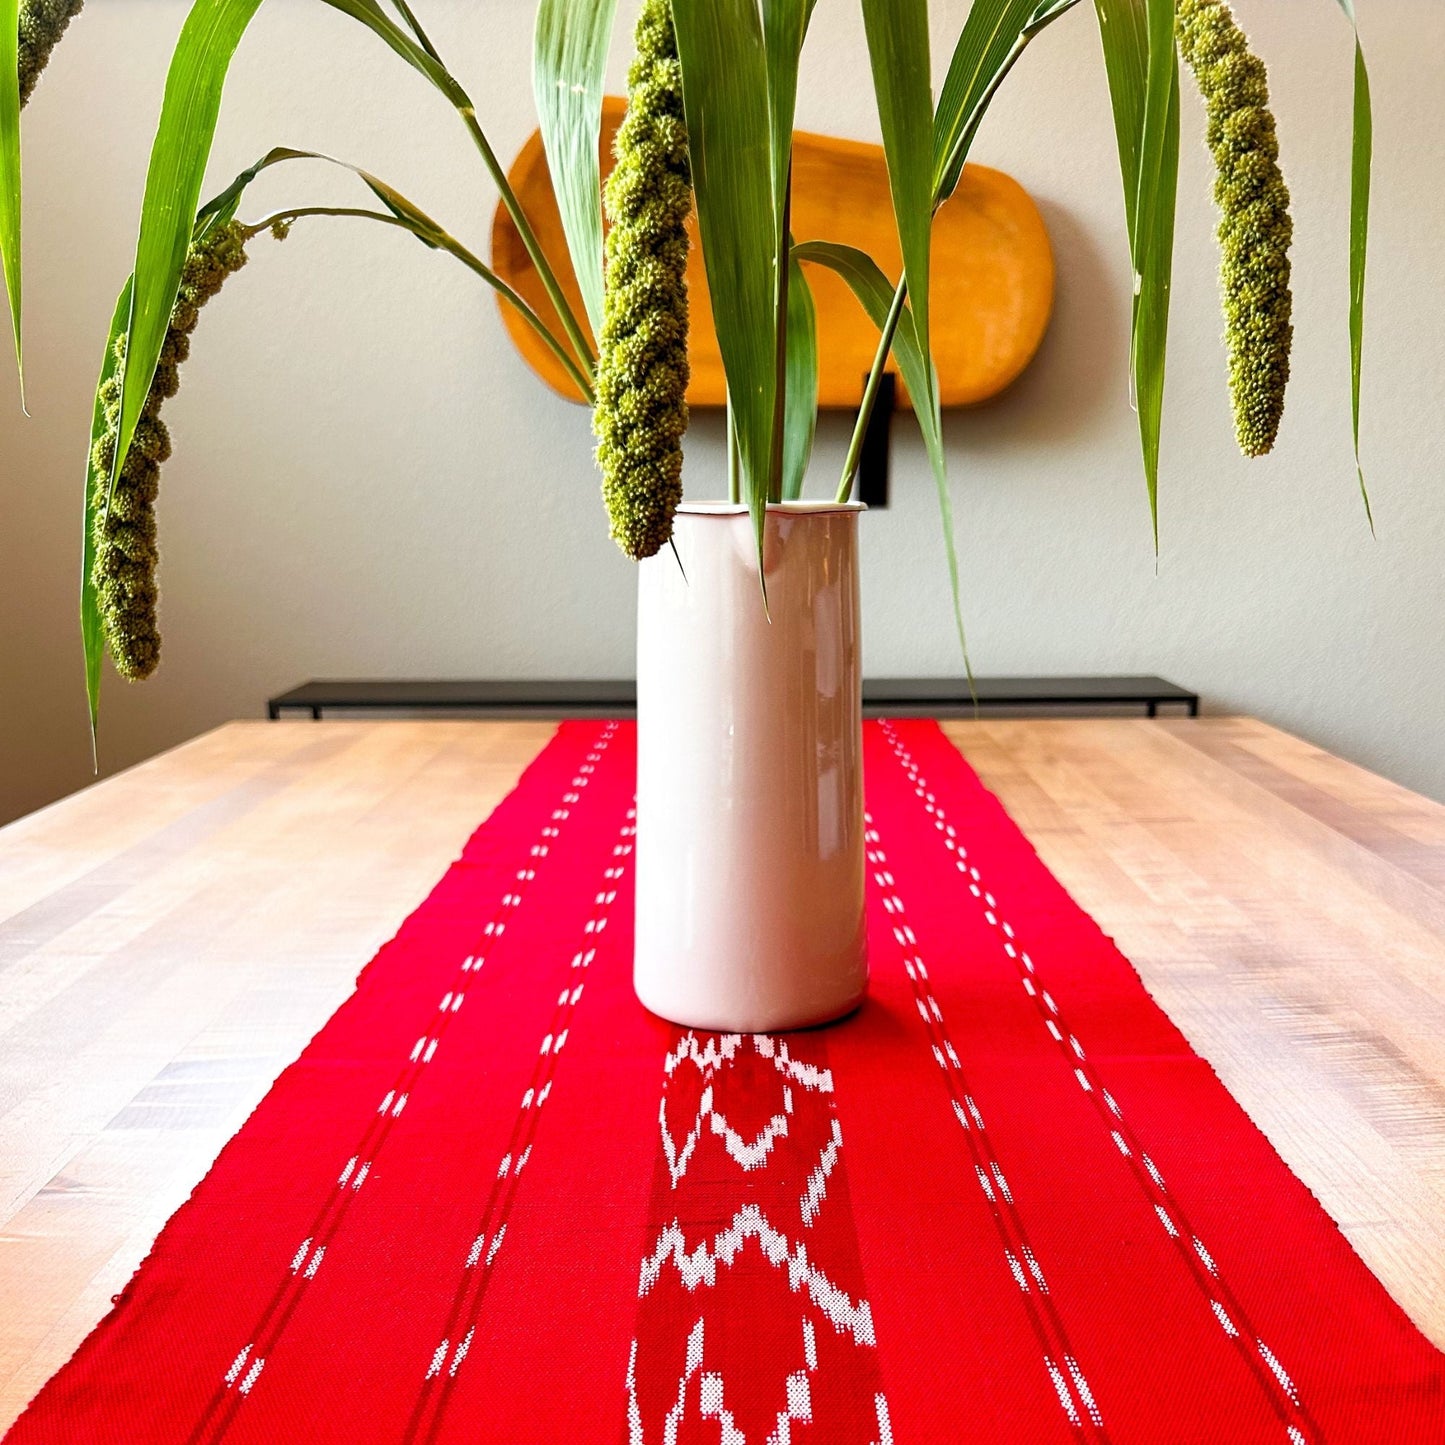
[[170, 939]]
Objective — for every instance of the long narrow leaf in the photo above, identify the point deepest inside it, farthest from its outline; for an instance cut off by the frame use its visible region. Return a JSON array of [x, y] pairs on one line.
[[1361, 152], [1045, 13], [421, 226], [92, 638], [988, 36], [1143, 72], [897, 33], [1154, 241], [419, 57], [224, 204], [422, 58], [10, 169], [785, 26], [569, 54], [875, 292], [197, 75], [989, 45], [782, 271], [182, 146], [898, 49], [1123, 29], [414, 25], [219, 211], [725, 102], [801, 410]]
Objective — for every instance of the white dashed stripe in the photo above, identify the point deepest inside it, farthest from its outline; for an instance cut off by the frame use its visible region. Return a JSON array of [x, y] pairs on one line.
[[1165, 1209]]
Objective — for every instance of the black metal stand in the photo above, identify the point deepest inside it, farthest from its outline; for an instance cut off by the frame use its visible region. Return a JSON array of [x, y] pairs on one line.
[[617, 697]]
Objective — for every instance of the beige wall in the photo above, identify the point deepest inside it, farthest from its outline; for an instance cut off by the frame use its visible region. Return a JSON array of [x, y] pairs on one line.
[[368, 480]]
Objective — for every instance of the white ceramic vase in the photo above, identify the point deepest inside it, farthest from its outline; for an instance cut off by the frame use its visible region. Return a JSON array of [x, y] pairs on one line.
[[749, 781]]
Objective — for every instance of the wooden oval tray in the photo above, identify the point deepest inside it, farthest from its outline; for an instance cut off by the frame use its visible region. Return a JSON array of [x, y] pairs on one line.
[[993, 271]]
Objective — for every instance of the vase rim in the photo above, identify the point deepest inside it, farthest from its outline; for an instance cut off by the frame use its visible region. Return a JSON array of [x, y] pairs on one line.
[[740, 509]]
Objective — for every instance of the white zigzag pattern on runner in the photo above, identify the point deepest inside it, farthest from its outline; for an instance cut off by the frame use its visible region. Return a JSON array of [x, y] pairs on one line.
[[697, 1395], [712, 1405], [717, 1053], [699, 1266], [1053, 1019]]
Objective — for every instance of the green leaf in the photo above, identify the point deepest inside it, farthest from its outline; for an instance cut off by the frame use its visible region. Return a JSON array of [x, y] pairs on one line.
[[569, 54], [1154, 241], [877, 295], [801, 409], [1360, 156], [1046, 12], [394, 202], [725, 95], [219, 211], [1143, 71], [414, 25], [1361, 151], [985, 43], [182, 147], [785, 26], [416, 222], [898, 49], [92, 637], [783, 272], [420, 58], [423, 58], [991, 41], [222, 207], [1123, 31], [735, 487], [10, 169]]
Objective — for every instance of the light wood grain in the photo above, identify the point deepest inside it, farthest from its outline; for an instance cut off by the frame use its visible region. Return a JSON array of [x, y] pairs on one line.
[[1287, 910], [170, 939], [992, 274]]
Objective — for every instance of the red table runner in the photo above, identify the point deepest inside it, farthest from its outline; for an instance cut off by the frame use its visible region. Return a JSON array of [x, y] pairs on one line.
[[496, 1200]]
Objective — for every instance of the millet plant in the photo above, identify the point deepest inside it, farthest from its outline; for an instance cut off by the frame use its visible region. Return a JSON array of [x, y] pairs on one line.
[[641, 411], [712, 94], [1255, 229]]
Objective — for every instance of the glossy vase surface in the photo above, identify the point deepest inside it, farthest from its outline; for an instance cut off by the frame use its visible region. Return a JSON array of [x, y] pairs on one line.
[[750, 861]]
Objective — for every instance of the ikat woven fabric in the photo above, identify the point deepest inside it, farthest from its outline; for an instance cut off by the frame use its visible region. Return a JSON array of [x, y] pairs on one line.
[[495, 1200]]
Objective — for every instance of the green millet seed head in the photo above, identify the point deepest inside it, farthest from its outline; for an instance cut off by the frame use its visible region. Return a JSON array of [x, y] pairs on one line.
[[1255, 228], [42, 23], [642, 369], [152, 439], [124, 525], [175, 349], [184, 315], [166, 382], [102, 454]]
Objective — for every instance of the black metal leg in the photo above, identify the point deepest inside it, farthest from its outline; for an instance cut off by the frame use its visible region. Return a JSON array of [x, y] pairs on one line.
[[272, 711], [1153, 708], [315, 714]]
